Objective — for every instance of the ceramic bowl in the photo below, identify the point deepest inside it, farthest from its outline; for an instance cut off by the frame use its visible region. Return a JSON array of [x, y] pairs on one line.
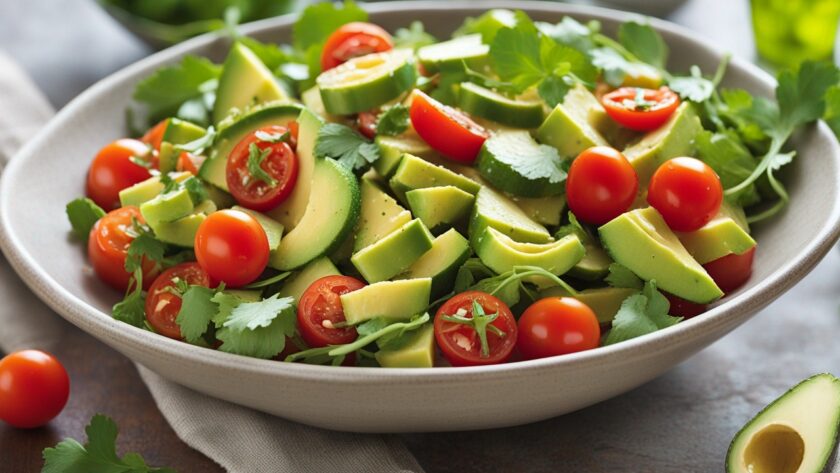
[[50, 171]]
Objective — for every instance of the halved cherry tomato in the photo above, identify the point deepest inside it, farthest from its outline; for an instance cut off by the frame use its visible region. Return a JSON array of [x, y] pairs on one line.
[[34, 388], [163, 303], [640, 109], [447, 130], [154, 137], [108, 247], [731, 271], [557, 326], [112, 170], [294, 131], [320, 309], [232, 247], [461, 343], [683, 308], [281, 165], [601, 185], [353, 40], [366, 123], [687, 192], [189, 162]]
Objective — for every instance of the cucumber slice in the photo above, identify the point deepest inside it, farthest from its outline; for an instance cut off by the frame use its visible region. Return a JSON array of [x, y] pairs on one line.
[[505, 158], [213, 169], [367, 82], [476, 100], [449, 54], [245, 81], [331, 214]]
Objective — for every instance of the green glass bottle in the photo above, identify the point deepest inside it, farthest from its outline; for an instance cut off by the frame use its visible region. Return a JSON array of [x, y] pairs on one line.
[[788, 32]]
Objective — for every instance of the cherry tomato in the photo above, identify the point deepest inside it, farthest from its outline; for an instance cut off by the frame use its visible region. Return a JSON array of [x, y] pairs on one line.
[[366, 123], [281, 165], [557, 326], [112, 170], [189, 162], [108, 247], [232, 247], [154, 137], [34, 388], [460, 342], [294, 131], [686, 192], [353, 40], [320, 308], [640, 109], [601, 185], [731, 271], [447, 130], [163, 303], [683, 308]]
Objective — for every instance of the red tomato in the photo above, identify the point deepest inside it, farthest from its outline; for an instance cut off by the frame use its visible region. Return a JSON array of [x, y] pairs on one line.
[[34, 388], [108, 247], [460, 342], [154, 137], [601, 185], [163, 305], [232, 247], [686, 192], [189, 162], [366, 123], [731, 271], [640, 109], [112, 170], [320, 308], [683, 308], [353, 40], [557, 326], [281, 164], [294, 131], [447, 130]]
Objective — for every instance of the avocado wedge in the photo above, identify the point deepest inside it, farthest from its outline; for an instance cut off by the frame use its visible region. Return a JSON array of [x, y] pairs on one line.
[[796, 433]]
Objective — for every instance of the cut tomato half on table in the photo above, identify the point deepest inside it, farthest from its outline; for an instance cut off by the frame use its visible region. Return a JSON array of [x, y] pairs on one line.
[[115, 168], [108, 248], [640, 109], [262, 169], [474, 328], [320, 310], [353, 40], [163, 302]]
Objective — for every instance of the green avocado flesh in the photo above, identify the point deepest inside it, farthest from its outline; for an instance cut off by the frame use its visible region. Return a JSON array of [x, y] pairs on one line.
[[439, 206], [310, 273], [543, 210], [796, 433], [604, 301], [417, 173], [393, 253], [380, 215], [392, 149], [441, 263], [418, 352], [723, 235], [641, 241], [273, 229], [177, 132], [393, 300], [492, 209], [147, 190], [245, 82], [167, 207], [500, 253], [571, 126]]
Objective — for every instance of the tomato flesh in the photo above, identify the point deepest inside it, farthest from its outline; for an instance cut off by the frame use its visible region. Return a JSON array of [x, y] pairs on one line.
[[366, 123], [162, 301], [232, 247], [683, 308], [460, 343], [154, 137], [687, 192], [353, 40], [320, 309], [281, 164], [449, 131], [557, 326], [34, 388], [640, 109], [601, 185], [112, 170], [731, 271], [108, 248]]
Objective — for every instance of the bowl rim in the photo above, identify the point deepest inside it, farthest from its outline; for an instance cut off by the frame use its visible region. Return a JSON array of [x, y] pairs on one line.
[[116, 333]]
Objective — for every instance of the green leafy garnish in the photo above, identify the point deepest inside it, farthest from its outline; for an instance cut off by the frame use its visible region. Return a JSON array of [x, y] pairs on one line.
[[481, 322], [258, 329], [256, 156], [643, 42], [732, 161], [98, 454], [316, 23], [393, 121], [346, 146], [413, 37], [641, 313], [131, 309], [197, 309], [507, 286], [168, 88], [83, 213], [274, 137], [620, 276]]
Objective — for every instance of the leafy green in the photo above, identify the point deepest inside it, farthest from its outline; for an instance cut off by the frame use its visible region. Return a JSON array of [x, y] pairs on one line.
[[732, 161], [144, 246], [393, 121], [258, 329], [644, 42], [316, 23], [832, 109], [83, 213], [97, 455], [194, 186], [533, 161], [168, 88], [572, 33], [413, 37], [507, 286], [621, 276], [389, 341], [256, 156], [346, 146], [641, 313], [225, 302], [197, 309]]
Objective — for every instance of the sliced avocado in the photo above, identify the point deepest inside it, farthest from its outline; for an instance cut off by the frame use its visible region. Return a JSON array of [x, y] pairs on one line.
[[367, 82], [641, 241], [543, 210], [418, 351], [796, 433], [331, 214], [501, 163], [222, 199], [168, 207], [594, 265], [273, 229], [492, 209], [393, 253], [380, 215], [440, 206], [447, 55], [722, 236], [310, 273], [147, 190], [500, 253], [674, 138], [604, 301], [449, 251], [572, 126], [417, 173], [392, 149], [177, 132], [394, 300], [245, 82], [181, 232]]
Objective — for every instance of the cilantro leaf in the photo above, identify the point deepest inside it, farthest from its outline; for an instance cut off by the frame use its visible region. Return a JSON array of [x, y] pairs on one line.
[[196, 189], [132, 309], [507, 286], [570, 32], [393, 121], [272, 55], [98, 454], [346, 146], [83, 214], [253, 315], [732, 161], [413, 37], [225, 302], [320, 20], [644, 42], [641, 313], [621, 276], [197, 309], [143, 246], [832, 109], [616, 67], [695, 88], [166, 89], [524, 156], [258, 329], [256, 156]]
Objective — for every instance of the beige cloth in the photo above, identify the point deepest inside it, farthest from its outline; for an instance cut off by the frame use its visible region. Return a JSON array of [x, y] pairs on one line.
[[239, 439]]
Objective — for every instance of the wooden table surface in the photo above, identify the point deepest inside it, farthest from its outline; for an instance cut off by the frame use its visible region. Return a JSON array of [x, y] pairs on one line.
[[681, 422]]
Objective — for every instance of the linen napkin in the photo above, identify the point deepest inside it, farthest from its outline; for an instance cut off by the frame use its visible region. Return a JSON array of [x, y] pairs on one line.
[[237, 438]]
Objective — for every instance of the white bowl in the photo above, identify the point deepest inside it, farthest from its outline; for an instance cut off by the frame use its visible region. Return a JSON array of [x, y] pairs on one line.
[[50, 171]]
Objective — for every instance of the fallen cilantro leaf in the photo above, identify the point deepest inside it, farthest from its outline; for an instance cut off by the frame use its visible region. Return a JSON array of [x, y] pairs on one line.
[[83, 213], [413, 37], [258, 329], [640, 314], [197, 310], [621, 276], [393, 121], [166, 89], [346, 146], [256, 156], [644, 42]]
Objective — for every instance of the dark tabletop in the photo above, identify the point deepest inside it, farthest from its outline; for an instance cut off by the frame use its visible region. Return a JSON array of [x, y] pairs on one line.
[[681, 422]]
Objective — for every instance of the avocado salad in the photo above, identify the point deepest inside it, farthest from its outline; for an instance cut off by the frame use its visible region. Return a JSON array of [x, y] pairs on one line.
[[361, 198]]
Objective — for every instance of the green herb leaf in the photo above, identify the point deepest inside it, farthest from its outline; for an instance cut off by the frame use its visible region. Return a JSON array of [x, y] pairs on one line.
[[225, 302], [413, 37], [166, 89], [83, 213], [621, 276], [507, 286], [144, 245], [197, 310], [695, 88], [641, 313], [832, 109], [572, 33], [256, 156], [346, 146], [196, 189], [259, 329], [272, 55], [393, 121], [320, 20], [732, 161], [644, 42], [132, 309]]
